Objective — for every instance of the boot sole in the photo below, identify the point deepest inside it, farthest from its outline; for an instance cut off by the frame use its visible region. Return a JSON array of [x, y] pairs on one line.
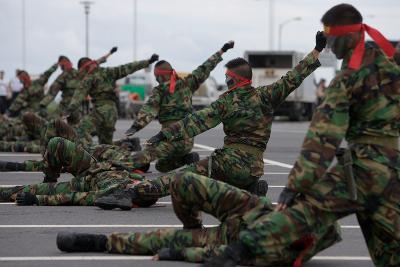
[[110, 206]]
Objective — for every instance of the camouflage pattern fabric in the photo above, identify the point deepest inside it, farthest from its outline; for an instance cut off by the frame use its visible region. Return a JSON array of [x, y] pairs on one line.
[[29, 98], [170, 108], [91, 180], [20, 146], [362, 103], [67, 82], [247, 115], [235, 208], [11, 129], [100, 85]]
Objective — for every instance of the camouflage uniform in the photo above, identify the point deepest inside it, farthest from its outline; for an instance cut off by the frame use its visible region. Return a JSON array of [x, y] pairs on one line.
[[100, 85], [67, 82], [29, 98], [235, 208], [247, 115], [171, 108], [91, 180], [361, 106]]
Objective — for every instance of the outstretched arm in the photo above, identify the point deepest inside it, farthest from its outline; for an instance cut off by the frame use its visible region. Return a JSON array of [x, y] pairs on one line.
[[199, 75], [121, 71], [44, 77]]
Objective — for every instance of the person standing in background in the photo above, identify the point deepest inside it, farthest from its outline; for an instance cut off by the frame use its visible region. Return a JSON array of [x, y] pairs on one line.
[[3, 94], [15, 86]]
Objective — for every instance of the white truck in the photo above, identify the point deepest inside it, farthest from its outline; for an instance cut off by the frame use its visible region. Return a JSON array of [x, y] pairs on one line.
[[269, 66]]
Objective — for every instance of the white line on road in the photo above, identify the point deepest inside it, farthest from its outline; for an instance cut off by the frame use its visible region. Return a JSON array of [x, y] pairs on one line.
[[93, 258], [118, 226], [20, 155], [12, 185], [267, 161]]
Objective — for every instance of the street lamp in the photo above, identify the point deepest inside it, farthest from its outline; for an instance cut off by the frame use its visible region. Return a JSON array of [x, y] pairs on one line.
[[134, 35], [281, 28], [86, 5]]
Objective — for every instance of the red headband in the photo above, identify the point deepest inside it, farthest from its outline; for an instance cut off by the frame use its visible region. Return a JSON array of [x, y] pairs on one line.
[[173, 77], [65, 63], [89, 66], [242, 80], [356, 58], [25, 79]]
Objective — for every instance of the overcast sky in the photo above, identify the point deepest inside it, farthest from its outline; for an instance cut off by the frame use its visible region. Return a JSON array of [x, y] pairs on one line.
[[184, 32]]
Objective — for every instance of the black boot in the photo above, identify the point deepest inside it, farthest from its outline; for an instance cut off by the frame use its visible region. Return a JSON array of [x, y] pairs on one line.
[[7, 166], [121, 199], [131, 144], [190, 158], [145, 167], [75, 242], [26, 199], [261, 188]]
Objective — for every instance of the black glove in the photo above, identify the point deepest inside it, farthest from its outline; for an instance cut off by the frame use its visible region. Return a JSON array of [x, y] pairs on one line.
[[156, 139], [26, 199], [287, 197], [153, 58], [227, 46], [320, 41], [231, 256], [132, 130], [113, 50], [169, 254]]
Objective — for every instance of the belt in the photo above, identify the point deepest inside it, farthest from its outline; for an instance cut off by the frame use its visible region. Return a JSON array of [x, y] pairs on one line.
[[386, 141], [246, 148]]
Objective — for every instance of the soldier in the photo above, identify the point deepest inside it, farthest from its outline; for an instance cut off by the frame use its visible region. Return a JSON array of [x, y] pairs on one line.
[[192, 193], [100, 85], [91, 179], [171, 101], [246, 114], [362, 106], [32, 92]]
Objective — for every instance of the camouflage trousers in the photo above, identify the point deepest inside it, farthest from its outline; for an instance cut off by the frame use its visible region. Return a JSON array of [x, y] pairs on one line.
[[170, 155], [235, 208], [20, 146], [377, 175], [100, 121]]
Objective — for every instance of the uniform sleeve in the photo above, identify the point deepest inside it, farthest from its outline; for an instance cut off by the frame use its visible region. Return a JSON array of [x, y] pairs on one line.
[[121, 71], [80, 94], [55, 87], [327, 129], [44, 77], [20, 102], [149, 110], [199, 75], [277, 92], [195, 123]]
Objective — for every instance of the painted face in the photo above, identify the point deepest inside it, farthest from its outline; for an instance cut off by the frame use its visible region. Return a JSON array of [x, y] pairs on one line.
[[338, 45], [229, 81]]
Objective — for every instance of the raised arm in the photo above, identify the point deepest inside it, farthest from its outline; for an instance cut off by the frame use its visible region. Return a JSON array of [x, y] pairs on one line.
[[199, 75], [55, 87], [121, 71], [44, 77], [147, 113], [277, 92]]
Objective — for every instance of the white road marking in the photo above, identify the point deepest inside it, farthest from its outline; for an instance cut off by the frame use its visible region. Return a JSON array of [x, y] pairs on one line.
[[24, 173], [267, 161], [118, 226], [20, 155], [93, 258], [276, 173]]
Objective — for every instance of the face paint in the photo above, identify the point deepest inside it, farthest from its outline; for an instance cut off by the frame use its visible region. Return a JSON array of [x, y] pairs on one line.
[[65, 64], [229, 81], [340, 46]]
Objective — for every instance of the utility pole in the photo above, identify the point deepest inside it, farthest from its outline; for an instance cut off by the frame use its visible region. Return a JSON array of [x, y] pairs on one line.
[[86, 5], [271, 16], [134, 34], [23, 35]]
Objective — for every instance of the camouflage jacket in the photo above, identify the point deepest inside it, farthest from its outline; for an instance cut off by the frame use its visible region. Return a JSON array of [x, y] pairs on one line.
[[67, 82], [172, 107], [357, 103], [247, 112], [29, 98], [100, 84]]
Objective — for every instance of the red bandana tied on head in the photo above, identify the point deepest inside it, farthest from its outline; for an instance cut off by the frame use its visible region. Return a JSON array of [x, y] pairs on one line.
[[242, 80], [173, 77], [89, 66], [65, 63], [356, 58], [25, 79]]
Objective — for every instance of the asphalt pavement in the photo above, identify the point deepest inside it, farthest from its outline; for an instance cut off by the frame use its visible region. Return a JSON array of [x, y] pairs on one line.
[[28, 234]]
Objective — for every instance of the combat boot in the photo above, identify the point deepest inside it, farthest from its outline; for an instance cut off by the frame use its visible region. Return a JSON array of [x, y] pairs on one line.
[[261, 188], [131, 144], [121, 199], [7, 166], [76, 242], [191, 157], [145, 167]]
